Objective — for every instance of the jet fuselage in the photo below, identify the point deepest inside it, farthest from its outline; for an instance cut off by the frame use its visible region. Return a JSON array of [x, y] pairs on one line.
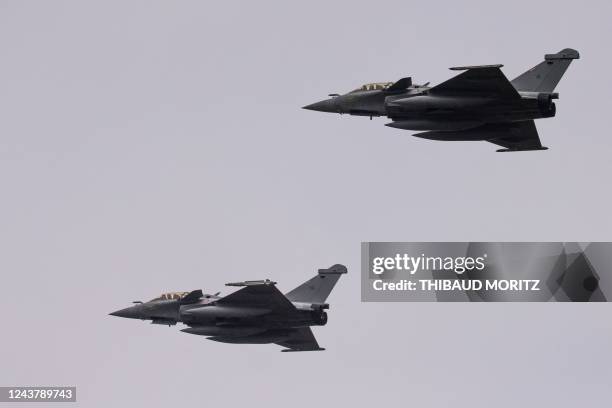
[[207, 316], [415, 109]]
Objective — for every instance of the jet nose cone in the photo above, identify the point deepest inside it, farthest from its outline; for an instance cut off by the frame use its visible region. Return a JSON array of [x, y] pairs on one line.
[[327, 105], [132, 312]]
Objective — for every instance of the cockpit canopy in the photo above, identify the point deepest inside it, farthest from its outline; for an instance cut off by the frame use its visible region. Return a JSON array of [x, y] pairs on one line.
[[171, 296], [375, 86]]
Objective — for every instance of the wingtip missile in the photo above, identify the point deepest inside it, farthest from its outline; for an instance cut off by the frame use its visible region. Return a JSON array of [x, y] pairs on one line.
[[252, 283]]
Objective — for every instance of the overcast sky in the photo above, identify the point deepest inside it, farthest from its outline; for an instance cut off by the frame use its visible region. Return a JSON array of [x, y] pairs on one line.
[[150, 146]]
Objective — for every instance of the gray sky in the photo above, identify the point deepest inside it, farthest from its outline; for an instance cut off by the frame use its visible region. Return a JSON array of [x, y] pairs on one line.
[[150, 146]]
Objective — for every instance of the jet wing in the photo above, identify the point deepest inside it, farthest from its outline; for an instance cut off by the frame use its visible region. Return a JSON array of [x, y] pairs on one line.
[[516, 136], [301, 339], [263, 295], [485, 80]]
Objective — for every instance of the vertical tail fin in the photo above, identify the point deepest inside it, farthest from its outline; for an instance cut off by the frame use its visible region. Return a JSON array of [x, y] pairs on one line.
[[545, 76], [317, 289]]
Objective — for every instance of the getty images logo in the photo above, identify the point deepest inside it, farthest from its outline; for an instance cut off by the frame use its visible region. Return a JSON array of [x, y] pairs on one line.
[[413, 264]]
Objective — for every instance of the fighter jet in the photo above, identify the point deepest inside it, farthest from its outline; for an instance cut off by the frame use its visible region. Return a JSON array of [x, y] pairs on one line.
[[478, 104], [256, 314]]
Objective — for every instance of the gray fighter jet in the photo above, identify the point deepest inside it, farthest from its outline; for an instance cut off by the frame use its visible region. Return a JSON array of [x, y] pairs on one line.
[[256, 314], [478, 104]]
